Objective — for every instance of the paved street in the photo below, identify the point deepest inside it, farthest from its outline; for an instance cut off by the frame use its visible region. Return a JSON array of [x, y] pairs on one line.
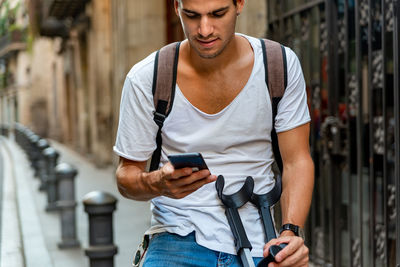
[[1, 195], [30, 234]]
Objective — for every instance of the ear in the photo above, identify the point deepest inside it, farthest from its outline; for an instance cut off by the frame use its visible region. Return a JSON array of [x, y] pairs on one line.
[[239, 6], [176, 6]]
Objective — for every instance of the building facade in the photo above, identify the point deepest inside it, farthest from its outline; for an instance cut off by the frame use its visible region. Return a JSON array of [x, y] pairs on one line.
[[13, 39], [70, 69]]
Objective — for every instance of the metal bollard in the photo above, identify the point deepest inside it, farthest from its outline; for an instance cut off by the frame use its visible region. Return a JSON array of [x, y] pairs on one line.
[[100, 207], [42, 144], [51, 157], [66, 203], [32, 151], [26, 133], [18, 133], [4, 129]]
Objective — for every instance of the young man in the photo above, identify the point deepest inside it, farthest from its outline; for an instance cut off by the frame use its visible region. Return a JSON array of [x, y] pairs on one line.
[[221, 109]]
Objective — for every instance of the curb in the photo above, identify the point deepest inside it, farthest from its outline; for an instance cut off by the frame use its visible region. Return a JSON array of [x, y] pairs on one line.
[[34, 247], [12, 254]]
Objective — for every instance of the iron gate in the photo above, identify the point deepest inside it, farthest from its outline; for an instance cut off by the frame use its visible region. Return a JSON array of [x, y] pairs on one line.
[[349, 51]]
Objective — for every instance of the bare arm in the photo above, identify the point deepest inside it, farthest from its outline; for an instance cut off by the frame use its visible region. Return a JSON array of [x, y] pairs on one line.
[[135, 183], [298, 183], [298, 175]]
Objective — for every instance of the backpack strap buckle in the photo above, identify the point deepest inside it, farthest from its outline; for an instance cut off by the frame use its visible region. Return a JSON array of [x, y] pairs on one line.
[[159, 119]]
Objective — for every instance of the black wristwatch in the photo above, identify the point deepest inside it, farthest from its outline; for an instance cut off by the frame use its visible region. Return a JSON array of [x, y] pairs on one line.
[[294, 228]]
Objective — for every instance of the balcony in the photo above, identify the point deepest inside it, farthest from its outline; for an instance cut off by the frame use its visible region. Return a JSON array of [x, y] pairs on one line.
[[12, 42], [57, 15], [62, 9]]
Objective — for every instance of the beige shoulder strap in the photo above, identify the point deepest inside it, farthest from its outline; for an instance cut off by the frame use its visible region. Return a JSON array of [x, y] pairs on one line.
[[275, 68], [275, 65], [164, 82]]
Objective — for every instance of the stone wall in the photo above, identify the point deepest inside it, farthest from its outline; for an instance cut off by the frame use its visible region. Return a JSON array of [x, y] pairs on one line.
[[99, 49], [139, 28], [253, 20], [39, 99], [70, 90]]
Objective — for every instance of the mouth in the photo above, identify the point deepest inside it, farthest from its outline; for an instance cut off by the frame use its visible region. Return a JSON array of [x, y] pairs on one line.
[[207, 43]]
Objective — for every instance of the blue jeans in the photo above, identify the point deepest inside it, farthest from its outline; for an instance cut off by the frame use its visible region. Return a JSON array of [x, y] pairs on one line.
[[166, 249]]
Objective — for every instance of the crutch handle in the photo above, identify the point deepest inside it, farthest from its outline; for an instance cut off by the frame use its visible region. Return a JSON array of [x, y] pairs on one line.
[[232, 203], [264, 202], [273, 251]]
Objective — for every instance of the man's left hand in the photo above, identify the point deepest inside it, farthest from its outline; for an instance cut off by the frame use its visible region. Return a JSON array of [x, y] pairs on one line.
[[295, 254]]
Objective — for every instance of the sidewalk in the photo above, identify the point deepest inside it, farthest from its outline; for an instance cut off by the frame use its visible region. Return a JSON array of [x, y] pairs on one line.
[[40, 230]]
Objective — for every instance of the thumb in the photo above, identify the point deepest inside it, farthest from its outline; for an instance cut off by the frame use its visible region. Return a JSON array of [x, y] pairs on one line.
[[168, 169]]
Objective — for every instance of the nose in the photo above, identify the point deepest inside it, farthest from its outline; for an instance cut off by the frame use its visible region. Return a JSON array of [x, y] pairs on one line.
[[205, 28]]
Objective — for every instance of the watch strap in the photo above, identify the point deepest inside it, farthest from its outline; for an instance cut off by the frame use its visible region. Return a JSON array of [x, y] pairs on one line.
[[290, 227]]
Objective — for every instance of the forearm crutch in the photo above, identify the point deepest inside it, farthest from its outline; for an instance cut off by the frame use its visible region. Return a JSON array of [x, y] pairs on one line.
[[264, 202], [232, 203]]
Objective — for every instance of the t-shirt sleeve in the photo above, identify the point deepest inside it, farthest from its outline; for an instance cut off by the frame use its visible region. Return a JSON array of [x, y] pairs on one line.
[[293, 109], [137, 130]]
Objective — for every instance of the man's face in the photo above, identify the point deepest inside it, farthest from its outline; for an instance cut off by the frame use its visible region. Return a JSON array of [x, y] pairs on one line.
[[208, 25]]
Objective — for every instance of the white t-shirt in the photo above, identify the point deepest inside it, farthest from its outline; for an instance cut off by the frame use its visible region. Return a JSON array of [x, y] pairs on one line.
[[234, 142]]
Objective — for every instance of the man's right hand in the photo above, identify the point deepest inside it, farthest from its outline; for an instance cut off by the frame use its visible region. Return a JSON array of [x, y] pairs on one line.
[[135, 183], [178, 183]]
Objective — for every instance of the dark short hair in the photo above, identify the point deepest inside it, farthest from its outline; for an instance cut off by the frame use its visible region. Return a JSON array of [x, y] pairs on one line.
[[234, 2]]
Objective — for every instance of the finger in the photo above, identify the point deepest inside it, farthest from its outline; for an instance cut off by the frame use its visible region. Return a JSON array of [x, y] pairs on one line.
[[294, 243], [199, 183], [270, 243], [191, 178], [189, 189], [179, 173], [298, 259], [175, 191], [167, 170]]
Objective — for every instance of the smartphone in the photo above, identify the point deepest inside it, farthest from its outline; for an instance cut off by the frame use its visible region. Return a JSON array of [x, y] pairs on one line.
[[191, 160]]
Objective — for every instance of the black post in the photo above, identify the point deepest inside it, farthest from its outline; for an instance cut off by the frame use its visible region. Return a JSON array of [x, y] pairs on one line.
[[396, 54], [22, 134], [42, 144], [18, 133], [26, 140], [51, 157], [4, 129], [100, 207], [66, 203], [32, 152]]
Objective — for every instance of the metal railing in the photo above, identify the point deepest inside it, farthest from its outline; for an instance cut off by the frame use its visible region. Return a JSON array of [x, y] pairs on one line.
[[349, 51]]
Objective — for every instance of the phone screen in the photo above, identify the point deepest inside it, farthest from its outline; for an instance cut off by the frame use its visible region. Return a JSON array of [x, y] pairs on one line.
[[191, 160]]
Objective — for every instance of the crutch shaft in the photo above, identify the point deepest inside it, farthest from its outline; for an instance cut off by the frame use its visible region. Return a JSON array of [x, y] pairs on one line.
[[241, 240], [268, 223], [246, 258]]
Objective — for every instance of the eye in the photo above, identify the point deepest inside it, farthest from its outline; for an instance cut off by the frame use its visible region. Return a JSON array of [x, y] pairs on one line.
[[191, 15], [219, 14]]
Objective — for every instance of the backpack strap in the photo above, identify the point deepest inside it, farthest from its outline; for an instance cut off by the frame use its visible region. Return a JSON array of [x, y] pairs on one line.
[[275, 64], [164, 82]]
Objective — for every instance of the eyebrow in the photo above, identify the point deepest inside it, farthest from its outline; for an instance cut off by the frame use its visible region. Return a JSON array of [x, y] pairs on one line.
[[214, 11]]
